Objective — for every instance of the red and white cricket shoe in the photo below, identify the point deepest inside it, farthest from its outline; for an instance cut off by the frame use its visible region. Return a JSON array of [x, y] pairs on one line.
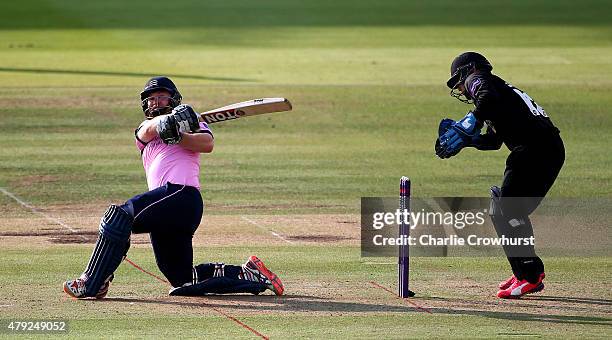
[[255, 270], [520, 288], [76, 288], [506, 284]]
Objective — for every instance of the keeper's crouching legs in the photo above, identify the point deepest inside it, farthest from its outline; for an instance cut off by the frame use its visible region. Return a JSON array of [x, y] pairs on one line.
[[511, 223]]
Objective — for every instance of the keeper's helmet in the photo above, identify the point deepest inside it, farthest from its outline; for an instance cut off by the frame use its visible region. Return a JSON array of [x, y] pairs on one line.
[[464, 65], [157, 84]]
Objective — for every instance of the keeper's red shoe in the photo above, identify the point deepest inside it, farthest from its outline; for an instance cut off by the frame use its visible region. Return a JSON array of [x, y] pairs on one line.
[[506, 284], [520, 288]]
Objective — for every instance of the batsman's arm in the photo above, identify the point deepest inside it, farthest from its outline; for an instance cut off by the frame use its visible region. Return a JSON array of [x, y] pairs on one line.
[[198, 142], [147, 130]]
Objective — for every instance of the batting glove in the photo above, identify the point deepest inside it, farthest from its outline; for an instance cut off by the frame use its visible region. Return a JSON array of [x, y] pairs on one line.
[[168, 130], [186, 118]]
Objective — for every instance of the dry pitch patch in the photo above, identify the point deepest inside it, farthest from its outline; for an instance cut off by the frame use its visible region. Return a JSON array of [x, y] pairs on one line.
[[579, 303], [79, 224]]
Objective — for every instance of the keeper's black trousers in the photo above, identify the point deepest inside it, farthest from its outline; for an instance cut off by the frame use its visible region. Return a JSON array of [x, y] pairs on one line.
[[530, 172]]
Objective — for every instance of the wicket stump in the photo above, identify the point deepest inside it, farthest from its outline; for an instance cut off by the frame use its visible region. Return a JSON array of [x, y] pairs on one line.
[[403, 263]]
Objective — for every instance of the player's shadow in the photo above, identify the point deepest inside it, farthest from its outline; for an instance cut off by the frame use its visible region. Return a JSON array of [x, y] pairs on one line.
[[111, 73], [268, 303], [570, 299], [506, 315], [531, 298], [306, 303], [566, 319]]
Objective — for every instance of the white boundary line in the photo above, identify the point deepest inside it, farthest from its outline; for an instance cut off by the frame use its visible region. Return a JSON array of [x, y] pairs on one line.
[[266, 229], [37, 211]]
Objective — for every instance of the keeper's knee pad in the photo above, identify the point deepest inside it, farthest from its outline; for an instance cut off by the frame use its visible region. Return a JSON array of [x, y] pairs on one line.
[[495, 211], [507, 212], [510, 222]]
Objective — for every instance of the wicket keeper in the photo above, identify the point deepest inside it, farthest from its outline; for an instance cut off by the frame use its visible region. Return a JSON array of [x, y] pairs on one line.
[[536, 156], [170, 141]]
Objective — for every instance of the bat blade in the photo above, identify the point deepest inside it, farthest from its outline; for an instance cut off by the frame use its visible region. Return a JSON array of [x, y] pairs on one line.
[[244, 109]]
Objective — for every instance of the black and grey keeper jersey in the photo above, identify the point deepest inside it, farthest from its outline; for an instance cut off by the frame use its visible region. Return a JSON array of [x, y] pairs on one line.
[[516, 118]]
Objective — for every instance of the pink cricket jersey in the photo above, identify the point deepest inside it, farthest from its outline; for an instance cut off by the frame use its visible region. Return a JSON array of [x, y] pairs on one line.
[[170, 163]]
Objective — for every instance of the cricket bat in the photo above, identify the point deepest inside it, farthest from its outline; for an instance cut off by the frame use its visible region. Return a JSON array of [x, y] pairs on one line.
[[244, 109]]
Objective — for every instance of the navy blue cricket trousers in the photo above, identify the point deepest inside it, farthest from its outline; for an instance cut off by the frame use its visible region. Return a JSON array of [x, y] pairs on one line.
[[170, 214]]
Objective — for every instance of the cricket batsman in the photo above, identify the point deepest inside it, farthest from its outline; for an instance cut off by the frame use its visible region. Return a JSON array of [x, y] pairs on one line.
[[536, 156], [170, 140]]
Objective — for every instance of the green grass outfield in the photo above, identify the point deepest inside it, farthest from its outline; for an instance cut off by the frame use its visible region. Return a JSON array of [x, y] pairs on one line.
[[367, 81], [331, 297]]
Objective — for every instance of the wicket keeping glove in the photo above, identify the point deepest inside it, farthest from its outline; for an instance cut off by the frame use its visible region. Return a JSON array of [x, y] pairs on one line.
[[459, 135], [445, 124]]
